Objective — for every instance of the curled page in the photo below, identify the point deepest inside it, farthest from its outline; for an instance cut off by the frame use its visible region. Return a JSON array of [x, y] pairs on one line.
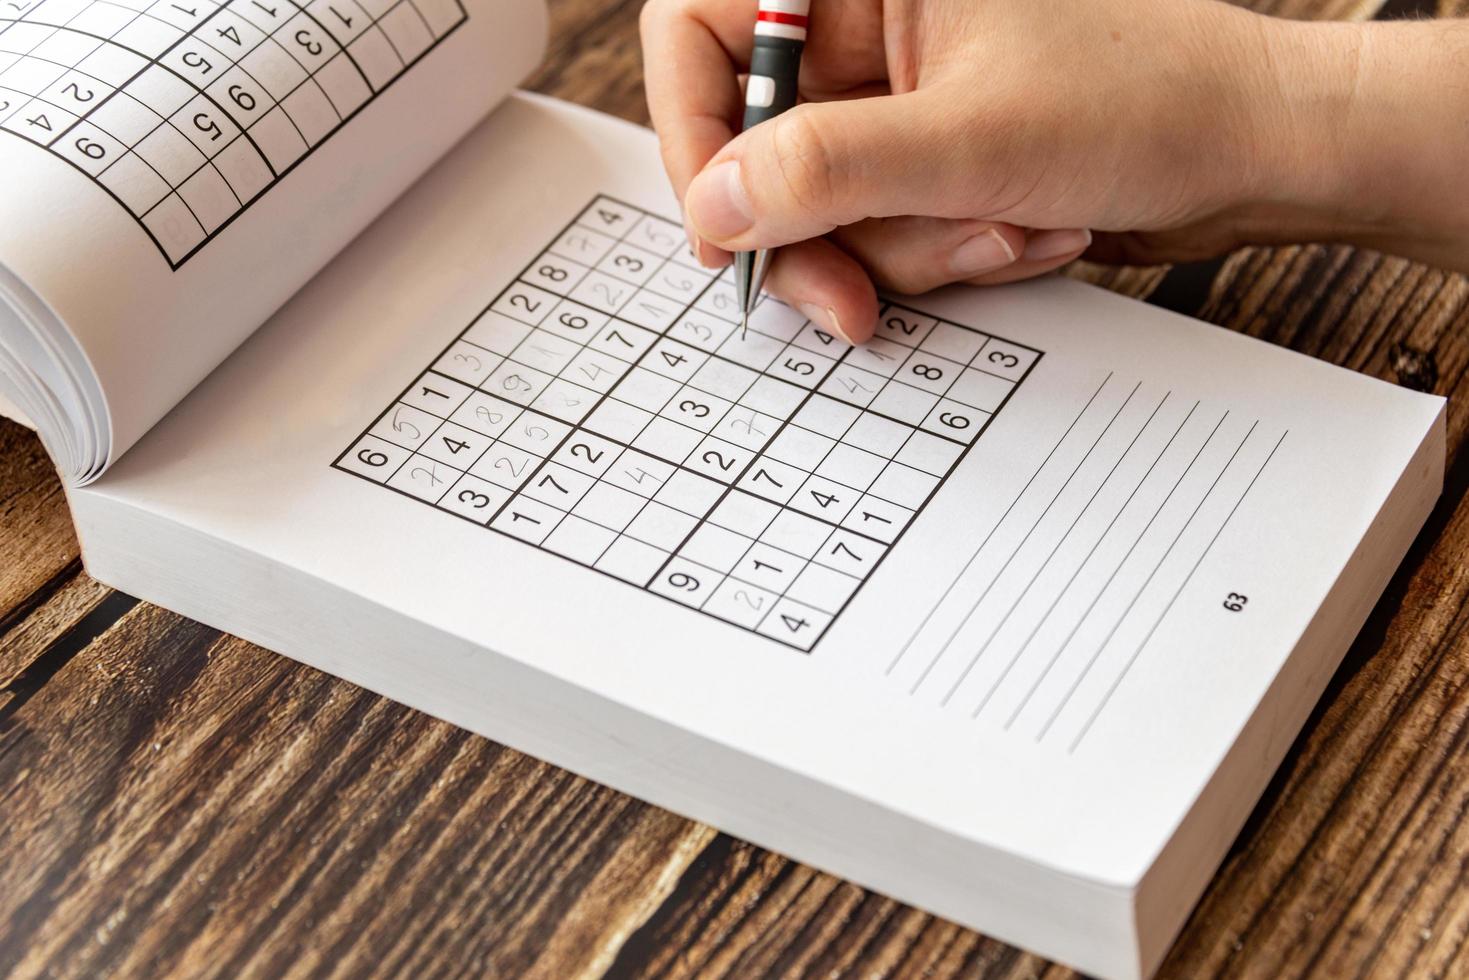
[[172, 172]]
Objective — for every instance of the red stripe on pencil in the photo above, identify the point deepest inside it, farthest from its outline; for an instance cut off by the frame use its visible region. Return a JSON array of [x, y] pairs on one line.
[[776, 17]]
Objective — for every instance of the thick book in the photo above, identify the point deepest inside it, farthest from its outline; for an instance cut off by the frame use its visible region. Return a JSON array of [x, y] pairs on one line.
[[344, 347]]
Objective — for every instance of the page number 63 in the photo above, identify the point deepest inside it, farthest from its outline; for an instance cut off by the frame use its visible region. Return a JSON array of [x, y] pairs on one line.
[[1235, 602]]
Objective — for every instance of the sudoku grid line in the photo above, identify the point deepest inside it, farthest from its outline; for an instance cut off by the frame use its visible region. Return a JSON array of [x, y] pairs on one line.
[[187, 111], [605, 407]]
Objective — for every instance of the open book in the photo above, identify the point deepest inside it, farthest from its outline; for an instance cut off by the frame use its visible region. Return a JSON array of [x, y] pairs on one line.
[[1009, 614]]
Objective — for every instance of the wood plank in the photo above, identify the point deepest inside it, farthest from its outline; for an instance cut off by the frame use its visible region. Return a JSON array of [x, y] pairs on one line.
[[594, 58], [183, 802], [48, 636], [39, 545], [1314, 9], [49, 622]]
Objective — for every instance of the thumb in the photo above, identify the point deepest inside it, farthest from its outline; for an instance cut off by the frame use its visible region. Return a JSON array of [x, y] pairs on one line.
[[823, 165]]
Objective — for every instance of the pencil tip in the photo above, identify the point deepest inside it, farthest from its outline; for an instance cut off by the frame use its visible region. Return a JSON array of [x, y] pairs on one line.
[[744, 325]]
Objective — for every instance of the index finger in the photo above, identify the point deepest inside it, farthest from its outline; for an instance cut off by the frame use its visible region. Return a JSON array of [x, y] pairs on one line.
[[693, 51]]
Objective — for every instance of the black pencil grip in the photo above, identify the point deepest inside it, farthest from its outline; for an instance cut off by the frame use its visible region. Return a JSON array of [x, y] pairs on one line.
[[779, 60]]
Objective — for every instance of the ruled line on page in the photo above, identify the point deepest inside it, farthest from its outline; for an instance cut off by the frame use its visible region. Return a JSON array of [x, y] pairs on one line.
[[977, 551], [1086, 508], [1117, 682], [1051, 663], [1018, 548], [1106, 586]]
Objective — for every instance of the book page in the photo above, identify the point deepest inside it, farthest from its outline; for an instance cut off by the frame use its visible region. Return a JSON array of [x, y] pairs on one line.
[[171, 172], [1022, 567], [12, 412]]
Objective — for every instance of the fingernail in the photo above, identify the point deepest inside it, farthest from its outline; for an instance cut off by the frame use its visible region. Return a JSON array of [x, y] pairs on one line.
[[716, 203], [688, 231], [1046, 245], [697, 248], [983, 253], [825, 317]]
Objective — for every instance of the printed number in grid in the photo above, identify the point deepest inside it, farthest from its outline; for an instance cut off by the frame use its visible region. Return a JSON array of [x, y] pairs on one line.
[[186, 111], [606, 408]]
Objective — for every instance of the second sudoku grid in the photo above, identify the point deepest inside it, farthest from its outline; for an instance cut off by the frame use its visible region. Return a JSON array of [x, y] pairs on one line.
[[187, 110]]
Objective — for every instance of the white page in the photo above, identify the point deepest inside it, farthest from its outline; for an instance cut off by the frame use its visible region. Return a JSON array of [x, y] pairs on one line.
[[13, 413], [1254, 472], [129, 228]]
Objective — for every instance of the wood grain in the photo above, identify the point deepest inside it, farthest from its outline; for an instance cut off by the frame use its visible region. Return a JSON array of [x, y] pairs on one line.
[[39, 546], [180, 803], [337, 831]]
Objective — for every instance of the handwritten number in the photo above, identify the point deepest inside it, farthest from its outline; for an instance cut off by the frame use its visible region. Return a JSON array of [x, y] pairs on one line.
[[510, 465], [400, 424]]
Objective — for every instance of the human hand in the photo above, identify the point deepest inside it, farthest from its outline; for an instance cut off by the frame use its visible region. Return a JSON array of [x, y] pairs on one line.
[[968, 140]]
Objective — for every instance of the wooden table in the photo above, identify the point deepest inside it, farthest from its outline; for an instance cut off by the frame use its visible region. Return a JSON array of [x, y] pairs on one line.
[[176, 801]]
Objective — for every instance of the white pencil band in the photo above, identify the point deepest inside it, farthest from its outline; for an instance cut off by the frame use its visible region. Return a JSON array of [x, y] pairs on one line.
[[783, 18]]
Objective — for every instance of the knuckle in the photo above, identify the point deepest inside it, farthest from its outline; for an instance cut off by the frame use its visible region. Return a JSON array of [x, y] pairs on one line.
[[804, 160]]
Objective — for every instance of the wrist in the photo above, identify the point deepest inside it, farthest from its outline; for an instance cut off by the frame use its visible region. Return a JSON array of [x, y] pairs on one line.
[[1353, 137]]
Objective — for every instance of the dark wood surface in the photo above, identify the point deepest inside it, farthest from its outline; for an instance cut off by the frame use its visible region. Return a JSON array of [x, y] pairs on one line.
[[177, 802]]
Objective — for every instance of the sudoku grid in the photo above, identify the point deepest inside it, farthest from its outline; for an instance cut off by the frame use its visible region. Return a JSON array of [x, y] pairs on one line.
[[185, 111], [606, 407]]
